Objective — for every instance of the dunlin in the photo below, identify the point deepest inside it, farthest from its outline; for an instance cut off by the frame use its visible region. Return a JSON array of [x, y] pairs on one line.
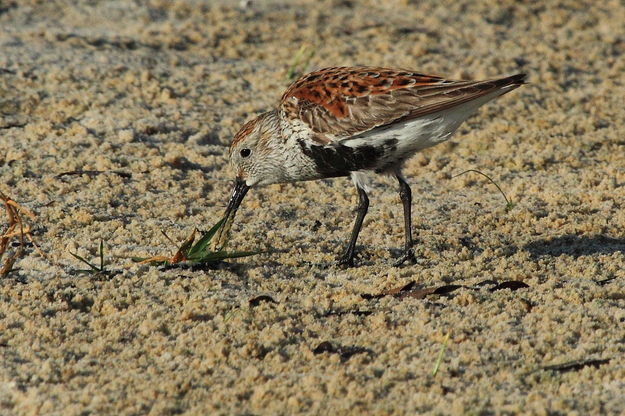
[[349, 121]]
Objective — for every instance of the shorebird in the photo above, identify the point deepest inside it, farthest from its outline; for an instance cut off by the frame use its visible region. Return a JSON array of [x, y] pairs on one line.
[[347, 121]]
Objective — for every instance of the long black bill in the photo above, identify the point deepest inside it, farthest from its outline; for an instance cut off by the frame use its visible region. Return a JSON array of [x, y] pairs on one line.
[[238, 193]]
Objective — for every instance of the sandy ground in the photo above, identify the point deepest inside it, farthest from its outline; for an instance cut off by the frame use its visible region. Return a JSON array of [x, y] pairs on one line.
[[149, 93]]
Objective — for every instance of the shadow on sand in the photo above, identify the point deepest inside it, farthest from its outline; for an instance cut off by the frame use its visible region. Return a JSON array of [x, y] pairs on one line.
[[576, 246]]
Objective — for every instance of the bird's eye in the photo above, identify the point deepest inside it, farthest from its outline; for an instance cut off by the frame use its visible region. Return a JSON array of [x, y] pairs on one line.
[[245, 152]]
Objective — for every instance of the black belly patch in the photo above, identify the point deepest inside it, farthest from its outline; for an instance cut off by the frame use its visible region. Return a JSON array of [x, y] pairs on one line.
[[339, 160]]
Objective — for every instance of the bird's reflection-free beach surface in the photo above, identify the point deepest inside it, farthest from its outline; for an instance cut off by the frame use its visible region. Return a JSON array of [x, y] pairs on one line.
[[149, 94]]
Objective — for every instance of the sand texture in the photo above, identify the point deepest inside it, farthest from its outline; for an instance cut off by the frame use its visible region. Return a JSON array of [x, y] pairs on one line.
[[146, 96]]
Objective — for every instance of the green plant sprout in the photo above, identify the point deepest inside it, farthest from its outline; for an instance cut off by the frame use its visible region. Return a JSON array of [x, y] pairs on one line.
[[93, 268], [300, 61], [196, 252], [439, 359]]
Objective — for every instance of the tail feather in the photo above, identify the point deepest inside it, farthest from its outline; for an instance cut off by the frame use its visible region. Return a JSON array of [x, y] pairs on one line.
[[513, 81]]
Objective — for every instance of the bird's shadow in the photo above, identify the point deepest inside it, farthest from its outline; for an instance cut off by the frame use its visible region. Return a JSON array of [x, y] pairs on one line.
[[576, 246]]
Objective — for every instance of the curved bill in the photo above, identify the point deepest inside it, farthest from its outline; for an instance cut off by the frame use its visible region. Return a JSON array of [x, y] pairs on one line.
[[238, 193]]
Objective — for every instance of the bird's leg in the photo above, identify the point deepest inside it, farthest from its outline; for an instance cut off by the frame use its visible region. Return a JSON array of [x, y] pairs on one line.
[[406, 198], [347, 259]]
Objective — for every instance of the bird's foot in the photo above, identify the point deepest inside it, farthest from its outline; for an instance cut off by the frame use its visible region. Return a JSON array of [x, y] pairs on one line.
[[408, 256], [345, 261]]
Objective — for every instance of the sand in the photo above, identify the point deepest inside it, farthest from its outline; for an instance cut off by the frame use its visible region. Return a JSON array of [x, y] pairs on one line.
[[149, 94]]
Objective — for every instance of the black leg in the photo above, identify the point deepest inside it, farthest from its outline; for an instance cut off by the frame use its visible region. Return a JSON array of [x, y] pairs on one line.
[[406, 198], [347, 259]]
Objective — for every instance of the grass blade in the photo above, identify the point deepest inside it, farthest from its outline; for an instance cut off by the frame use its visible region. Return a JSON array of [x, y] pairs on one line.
[[439, 359], [303, 57], [183, 251], [220, 255], [101, 255], [198, 253], [509, 204], [91, 266], [200, 247]]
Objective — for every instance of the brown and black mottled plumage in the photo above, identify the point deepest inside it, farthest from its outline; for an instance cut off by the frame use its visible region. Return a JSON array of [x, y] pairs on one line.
[[344, 101]]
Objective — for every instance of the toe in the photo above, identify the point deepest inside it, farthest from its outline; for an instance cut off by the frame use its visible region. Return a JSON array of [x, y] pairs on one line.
[[345, 262], [407, 257]]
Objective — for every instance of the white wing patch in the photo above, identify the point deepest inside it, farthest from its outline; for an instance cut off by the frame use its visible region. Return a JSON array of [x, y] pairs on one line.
[[414, 135]]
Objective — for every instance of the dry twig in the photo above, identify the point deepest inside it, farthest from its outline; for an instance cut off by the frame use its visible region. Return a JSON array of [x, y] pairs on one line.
[[16, 228]]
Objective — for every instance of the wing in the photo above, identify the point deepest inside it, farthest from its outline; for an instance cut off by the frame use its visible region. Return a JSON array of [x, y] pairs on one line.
[[344, 101]]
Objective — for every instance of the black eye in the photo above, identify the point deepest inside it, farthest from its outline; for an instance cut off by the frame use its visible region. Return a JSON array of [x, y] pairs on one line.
[[245, 152]]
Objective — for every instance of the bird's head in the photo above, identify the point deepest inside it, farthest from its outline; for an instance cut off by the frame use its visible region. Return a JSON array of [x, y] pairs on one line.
[[254, 157], [254, 151]]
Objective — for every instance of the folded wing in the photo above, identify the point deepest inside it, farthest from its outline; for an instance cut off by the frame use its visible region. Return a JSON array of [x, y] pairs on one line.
[[340, 102]]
